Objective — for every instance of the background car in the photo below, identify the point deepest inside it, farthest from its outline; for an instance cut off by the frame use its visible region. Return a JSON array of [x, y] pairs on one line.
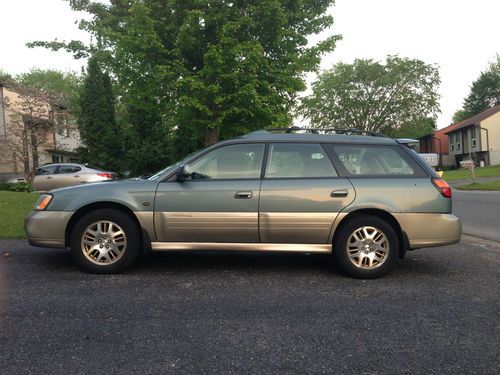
[[54, 176]]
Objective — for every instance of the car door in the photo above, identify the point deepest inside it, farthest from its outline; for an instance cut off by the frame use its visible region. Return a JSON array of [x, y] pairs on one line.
[[68, 175], [218, 202], [44, 177], [301, 194]]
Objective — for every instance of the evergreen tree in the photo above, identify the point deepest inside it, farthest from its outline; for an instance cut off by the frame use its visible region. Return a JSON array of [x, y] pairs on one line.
[[100, 134]]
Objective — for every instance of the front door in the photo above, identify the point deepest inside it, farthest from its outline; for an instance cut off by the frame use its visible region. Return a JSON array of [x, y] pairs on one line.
[[301, 194], [218, 202]]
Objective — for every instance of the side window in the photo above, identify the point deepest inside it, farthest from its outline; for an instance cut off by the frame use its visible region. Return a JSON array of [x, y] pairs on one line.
[[375, 160], [49, 169], [68, 169], [298, 160], [230, 162]]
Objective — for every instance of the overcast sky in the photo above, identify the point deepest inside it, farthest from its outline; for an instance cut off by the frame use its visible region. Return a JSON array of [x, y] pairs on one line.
[[460, 36]]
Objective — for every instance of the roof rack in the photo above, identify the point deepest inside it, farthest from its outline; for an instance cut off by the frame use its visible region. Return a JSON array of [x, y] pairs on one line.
[[347, 131]]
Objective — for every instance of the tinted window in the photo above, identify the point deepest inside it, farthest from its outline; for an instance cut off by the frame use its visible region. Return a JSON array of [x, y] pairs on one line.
[[49, 169], [375, 160], [298, 160], [68, 169], [234, 161]]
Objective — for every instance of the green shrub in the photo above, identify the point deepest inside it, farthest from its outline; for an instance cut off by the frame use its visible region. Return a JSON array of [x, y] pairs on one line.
[[4, 186], [20, 187]]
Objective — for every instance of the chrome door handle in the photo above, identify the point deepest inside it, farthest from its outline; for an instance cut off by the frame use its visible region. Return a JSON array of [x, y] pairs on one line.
[[77, 176], [243, 195], [49, 178], [339, 193]]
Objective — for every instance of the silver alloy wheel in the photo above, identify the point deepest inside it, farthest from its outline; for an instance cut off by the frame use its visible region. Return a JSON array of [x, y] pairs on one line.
[[103, 242], [368, 247]]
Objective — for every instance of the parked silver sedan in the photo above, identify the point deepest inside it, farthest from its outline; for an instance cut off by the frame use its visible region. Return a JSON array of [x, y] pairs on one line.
[[55, 176]]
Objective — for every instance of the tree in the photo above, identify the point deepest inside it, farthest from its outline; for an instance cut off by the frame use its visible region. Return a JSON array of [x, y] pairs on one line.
[[400, 95], [209, 68], [99, 132], [31, 121], [484, 93]]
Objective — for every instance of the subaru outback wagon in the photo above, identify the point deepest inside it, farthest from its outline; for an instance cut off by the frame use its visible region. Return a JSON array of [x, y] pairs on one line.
[[365, 199]]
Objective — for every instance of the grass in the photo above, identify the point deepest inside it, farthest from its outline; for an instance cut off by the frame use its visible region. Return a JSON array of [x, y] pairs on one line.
[[488, 185], [13, 209], [464, 174]]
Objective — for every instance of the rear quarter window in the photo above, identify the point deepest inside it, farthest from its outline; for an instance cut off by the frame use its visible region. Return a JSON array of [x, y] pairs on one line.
[[374, 160]]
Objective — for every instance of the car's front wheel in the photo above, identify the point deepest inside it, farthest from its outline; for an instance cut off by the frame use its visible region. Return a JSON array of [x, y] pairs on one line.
[[366, 247], [105, 241]]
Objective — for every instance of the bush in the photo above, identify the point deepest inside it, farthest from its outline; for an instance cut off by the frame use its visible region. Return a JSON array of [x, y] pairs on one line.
[[20, 187], [4, 186]]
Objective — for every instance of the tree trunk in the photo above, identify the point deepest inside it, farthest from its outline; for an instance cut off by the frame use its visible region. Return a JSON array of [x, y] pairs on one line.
[[211, 136]]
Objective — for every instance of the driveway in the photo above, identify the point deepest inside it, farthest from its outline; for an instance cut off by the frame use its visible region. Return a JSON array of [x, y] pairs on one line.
[[183, 313], [479, 212]]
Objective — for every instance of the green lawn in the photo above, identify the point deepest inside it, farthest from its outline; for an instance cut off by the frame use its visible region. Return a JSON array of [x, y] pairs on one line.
[[463, 174], [13, 208], [488, 185]]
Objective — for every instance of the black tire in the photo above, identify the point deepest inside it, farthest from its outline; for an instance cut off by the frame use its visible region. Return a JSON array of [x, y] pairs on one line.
[[128, 253], [362, 271]]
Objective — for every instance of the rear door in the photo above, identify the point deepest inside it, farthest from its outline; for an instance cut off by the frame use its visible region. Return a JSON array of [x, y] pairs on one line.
[[68, 175], [301, 194]]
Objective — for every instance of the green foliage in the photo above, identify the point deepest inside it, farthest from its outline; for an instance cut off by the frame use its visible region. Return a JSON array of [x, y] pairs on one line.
[[100, 134], [203, 69], [20, 187], [415, 130], [484, 93], [13, 209], [4, 186], [398, 97]]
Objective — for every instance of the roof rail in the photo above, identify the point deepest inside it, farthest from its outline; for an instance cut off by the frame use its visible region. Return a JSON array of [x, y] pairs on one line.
[[348, 131]]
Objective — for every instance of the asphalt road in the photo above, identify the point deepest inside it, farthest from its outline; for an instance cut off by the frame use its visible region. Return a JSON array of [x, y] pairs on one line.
[[437, 313], [479, 212]]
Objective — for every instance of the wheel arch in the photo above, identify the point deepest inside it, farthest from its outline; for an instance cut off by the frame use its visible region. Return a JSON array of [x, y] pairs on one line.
[[404, 243], [103, 205]]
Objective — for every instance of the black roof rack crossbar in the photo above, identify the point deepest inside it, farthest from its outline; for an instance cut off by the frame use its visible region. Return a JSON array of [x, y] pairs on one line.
[[348, 131]]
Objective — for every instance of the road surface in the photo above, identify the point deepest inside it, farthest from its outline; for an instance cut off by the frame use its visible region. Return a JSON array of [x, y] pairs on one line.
[[436, 313], [479, 212]]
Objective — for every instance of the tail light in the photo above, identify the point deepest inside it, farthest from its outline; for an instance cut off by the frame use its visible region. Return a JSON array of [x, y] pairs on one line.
[[443, 187], [106, 175]]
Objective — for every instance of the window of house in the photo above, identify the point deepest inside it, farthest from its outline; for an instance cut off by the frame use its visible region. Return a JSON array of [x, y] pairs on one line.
[[230, 162], [298, 160], [375, 160], [473, 137], [458, 140], [452, 142]]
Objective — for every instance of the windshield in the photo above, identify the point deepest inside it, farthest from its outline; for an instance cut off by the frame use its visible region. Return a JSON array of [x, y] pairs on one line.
[[171, 167]]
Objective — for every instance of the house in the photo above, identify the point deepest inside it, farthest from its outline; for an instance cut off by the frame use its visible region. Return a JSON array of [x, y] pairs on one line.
[[58, 144], [437, 143], [476, 138]]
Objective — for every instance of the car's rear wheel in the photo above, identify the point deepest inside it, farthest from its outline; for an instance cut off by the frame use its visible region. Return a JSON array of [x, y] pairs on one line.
[[366, 247], [105, 241]]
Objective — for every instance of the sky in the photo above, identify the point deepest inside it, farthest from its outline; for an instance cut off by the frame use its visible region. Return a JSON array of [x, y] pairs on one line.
[[460, 36]]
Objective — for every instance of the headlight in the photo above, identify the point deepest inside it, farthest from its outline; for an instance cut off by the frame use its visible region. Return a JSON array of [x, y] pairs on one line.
[[43, 201]]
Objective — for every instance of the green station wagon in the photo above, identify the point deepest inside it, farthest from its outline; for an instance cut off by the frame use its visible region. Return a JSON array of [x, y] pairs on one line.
[[364, 198]]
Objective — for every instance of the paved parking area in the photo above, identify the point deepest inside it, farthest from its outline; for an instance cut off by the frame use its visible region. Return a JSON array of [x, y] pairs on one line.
[[437, 313]]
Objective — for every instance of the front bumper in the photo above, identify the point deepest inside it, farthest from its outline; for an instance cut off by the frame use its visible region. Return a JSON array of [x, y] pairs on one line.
[[47, 228], [429, 230]]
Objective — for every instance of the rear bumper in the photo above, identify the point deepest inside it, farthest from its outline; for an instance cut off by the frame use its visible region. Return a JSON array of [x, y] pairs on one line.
[[47, 228], [429, 230]]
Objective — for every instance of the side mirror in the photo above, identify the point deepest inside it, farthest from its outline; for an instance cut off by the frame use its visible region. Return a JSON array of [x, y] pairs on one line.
[[184, 173]]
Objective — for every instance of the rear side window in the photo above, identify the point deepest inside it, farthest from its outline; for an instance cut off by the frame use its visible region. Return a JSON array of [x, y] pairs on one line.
[[69, 169], [298, 160], [375, 160]]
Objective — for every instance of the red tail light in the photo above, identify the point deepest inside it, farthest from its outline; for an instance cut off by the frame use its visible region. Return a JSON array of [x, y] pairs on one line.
[[443, 187], [106, 175]]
